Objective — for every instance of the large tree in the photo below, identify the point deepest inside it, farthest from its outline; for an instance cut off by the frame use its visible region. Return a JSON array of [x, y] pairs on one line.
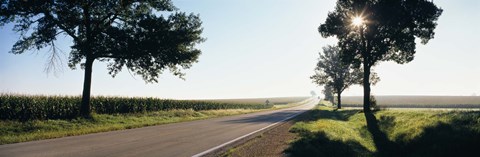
[[332, 72], [145, 36], [371, 31]]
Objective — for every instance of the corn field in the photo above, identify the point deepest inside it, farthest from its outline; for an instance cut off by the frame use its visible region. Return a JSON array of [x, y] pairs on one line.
[[24, 107]]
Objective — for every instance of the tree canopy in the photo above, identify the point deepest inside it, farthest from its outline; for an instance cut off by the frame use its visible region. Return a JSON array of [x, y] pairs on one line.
[[328, 93], [145, 36], [333, 72], [370, 31]]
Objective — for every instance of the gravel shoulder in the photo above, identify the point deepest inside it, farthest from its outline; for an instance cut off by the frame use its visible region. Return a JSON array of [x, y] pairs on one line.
[[272, 143]]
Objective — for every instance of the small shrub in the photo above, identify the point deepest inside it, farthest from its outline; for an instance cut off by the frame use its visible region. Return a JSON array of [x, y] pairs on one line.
[[373, 104]]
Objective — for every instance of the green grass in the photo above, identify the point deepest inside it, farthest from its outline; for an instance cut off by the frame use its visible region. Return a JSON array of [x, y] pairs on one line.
[[12, 131], [328, 132]]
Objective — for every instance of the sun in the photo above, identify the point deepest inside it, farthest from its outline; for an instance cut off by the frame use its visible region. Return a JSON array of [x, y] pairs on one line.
[[357, 21]]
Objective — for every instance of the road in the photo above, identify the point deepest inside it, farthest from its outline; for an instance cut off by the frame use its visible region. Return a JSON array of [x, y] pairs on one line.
[[178, 139]]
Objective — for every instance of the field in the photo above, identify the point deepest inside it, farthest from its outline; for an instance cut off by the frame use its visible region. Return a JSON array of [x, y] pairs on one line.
[[274, 100], [417, 101], [27, 118], [25, 107], [347, 132]]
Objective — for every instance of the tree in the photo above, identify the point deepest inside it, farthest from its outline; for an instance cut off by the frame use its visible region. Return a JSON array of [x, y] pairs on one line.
[[331, 71], [327, 91], [371, 31], [145, 36]]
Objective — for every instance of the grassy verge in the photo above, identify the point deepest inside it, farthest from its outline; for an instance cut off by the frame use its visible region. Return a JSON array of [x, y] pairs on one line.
[[329, 132], [16, 131]]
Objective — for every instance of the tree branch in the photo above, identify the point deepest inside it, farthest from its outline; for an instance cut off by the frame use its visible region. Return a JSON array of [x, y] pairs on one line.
[[113, 57], [70, 33]]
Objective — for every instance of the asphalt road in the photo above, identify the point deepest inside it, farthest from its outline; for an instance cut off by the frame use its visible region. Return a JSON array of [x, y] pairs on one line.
[[178, 139]]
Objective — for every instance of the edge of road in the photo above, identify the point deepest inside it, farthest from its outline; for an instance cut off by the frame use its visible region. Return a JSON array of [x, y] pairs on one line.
[[215, 151]]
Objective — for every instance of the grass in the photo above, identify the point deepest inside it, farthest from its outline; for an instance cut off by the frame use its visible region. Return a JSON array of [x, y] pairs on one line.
[[328, 132], [17, 131], [14, 131]]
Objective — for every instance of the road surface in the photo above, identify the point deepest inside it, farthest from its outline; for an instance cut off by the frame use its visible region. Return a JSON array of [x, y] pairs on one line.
[[178, 139]]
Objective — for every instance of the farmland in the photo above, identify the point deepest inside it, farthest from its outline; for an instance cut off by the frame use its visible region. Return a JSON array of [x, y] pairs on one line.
[[328, 132], [24, 107], [417, 101], [274, 100], [27, 118]]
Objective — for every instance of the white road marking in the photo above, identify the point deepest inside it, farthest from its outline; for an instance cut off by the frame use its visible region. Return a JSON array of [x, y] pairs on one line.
[[238, 138]]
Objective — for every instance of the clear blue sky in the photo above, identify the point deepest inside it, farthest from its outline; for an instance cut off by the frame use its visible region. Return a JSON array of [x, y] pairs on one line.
[[265, 48]]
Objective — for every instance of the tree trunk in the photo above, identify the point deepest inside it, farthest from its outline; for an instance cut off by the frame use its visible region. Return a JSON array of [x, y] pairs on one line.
[[366, 73], [87, 83], [366, 87], [339, 100]]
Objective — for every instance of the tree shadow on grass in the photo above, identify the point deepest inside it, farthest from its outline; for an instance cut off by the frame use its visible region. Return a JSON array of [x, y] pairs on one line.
[[384, 146], [455, 138], [318, 144], [458, 137], [314, 115], [313, 144]]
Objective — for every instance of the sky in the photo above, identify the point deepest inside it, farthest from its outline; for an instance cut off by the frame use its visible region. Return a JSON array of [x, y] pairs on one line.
[[265, 48]]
